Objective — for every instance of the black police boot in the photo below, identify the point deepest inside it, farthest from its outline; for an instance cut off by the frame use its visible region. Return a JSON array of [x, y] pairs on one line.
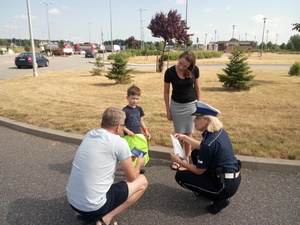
[[217, 206]]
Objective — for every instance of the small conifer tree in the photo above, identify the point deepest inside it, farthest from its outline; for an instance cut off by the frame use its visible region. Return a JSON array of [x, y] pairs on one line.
[[119, 71], [237, 73], [98, 66]]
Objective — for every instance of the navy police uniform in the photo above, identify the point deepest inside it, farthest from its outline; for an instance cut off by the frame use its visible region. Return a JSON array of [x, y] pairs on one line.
[[215, 152], [222, 177]]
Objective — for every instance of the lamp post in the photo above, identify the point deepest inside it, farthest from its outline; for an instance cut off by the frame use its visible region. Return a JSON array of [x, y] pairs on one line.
[[46, 4], [111, 41], [267, 40], [141, 22], [10, 24], [215, 35], [233, 26], [262, 42], [276, 38], [34, 66], [89, 23], [205, 46]]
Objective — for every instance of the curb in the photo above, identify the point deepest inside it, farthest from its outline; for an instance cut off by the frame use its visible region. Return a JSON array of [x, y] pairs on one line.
[[249, 162]]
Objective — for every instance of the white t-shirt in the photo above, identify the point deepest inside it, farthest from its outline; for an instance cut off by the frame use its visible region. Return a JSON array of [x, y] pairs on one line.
[[93, 169]]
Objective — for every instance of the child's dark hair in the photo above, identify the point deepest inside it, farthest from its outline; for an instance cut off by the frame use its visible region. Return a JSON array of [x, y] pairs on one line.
[[133, 90]]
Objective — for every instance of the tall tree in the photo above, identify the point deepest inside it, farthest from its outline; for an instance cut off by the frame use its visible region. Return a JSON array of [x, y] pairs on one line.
[[296, 26], [168, 26], [294, 43]]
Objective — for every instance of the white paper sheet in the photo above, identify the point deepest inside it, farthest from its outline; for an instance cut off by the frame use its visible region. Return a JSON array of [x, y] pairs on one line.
[[177, 147]]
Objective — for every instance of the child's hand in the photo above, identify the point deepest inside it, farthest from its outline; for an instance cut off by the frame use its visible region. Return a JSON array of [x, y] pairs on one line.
[[148, 134], [131, 134]]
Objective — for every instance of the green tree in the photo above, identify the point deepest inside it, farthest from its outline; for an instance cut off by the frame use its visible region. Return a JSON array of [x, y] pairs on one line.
[[296, 27], [27, 48], [295, 69], [98, 66], [119, 71], [294, 43], [237, 73]]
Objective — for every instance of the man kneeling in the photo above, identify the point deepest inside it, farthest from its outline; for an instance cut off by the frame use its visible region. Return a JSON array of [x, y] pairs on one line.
[[91, 190]]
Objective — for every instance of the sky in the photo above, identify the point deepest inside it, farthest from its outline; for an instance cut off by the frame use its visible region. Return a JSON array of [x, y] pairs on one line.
[[96, 20]]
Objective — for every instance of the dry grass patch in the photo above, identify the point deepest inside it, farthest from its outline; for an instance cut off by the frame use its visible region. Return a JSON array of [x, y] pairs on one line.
[[261, 122], [254, 58]]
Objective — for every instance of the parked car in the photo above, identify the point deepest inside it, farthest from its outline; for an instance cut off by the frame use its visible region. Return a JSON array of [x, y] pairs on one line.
[[79, 52], [25, 60], [90, 54]]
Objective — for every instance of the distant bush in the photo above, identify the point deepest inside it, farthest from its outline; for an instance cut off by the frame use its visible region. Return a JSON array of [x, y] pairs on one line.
[[173, 56], [295, 69]]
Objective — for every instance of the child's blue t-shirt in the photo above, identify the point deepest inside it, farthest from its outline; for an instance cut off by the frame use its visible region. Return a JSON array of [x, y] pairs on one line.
[[133, 119]]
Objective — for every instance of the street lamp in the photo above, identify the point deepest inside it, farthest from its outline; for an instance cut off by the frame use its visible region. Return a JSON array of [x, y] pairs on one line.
[[10, 23], [34, 64], [89, 23], [111, 41], [46, 4], [142, 33], [233, 26], [262, 42], [215, 35], [267, 40]]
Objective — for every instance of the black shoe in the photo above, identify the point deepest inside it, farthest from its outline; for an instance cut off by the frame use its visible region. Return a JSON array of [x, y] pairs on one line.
[[217, 206], [142, 171]]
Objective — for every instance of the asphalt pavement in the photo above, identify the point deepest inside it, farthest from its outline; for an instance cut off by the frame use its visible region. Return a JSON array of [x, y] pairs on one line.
[[35, 172]]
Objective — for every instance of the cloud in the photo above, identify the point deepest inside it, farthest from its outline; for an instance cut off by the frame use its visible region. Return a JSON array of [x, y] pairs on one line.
[[180, 2], [54, 11], [257, 18], [24, 17], [228, 7], [207, 10]]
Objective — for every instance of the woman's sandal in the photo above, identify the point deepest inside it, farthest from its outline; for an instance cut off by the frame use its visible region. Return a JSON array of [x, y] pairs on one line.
[[175, 166]]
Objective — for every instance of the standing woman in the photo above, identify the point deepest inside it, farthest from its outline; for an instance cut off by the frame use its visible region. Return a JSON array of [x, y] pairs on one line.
[[184, 77]]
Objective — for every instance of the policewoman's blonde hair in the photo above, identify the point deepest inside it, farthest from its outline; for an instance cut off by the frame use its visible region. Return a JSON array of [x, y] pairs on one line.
[[214, 125]]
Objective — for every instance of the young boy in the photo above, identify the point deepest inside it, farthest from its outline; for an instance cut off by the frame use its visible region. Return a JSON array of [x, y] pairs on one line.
[[134, 123]]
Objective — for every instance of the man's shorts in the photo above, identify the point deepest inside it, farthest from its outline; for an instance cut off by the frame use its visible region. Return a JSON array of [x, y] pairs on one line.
[[116, 196]]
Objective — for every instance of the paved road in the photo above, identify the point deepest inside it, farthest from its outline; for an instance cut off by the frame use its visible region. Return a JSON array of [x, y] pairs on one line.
[[79, 62], [35, 172]]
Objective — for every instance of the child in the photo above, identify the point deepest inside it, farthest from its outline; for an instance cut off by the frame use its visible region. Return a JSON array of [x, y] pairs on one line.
[[134, 123]]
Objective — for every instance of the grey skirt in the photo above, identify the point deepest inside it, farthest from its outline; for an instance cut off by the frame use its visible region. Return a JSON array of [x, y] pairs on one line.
[[181, 114]]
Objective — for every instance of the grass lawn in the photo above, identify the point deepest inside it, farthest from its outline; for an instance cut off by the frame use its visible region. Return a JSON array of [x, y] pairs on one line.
[[261, 122]]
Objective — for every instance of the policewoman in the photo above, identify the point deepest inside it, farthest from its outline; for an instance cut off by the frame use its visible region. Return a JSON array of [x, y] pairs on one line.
[[215, 172]]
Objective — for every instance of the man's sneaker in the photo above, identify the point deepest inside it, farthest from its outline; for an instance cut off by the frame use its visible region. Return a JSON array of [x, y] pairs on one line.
[[217, 206]]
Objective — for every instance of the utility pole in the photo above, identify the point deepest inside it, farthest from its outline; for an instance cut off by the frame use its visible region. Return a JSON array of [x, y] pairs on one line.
[[34, 66], [46, 4], [262, 42], [141, 23]]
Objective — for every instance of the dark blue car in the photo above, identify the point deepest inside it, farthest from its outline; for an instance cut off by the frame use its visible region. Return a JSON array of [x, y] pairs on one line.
[[25, 60]]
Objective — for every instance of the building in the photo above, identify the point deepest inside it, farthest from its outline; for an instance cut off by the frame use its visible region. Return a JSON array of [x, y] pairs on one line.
[[228, 46]]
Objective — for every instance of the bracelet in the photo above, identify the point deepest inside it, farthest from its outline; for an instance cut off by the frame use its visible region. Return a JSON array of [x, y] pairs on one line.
[[144, 129]]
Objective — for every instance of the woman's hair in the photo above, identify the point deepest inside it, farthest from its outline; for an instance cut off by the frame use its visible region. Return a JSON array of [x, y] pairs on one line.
[[189, 57], [214, 125], [133, 90], [112, 117]]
